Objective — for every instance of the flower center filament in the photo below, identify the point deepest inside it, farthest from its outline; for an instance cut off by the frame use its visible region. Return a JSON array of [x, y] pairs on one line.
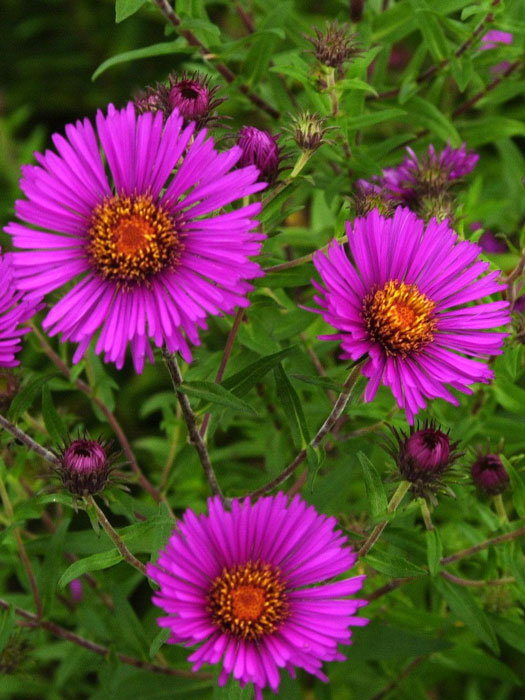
[[248, 601], [132, 239], [399, 318]]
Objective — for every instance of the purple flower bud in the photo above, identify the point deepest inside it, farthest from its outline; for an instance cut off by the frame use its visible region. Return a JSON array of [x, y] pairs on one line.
[[489, 474], [428, 450], [491, 244], [85, 466], [259, 148], [191, 98]]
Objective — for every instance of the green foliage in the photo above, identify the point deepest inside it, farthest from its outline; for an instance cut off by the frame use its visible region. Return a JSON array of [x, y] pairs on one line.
[[438, 628]]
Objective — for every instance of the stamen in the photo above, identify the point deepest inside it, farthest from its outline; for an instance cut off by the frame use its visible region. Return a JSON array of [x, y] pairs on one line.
[[399, 318], [131, 239], [249, 600]]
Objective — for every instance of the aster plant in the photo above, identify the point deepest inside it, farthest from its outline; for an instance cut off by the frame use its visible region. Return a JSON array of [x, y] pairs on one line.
[[292, 308]]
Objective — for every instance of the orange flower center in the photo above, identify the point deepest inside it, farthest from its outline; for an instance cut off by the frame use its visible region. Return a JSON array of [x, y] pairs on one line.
[[132, 239], [399, 318], [248, 601]]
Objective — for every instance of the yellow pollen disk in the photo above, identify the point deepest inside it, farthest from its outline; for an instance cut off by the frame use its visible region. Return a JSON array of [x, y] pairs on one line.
[[248, 601], [132, 239], [399, 318]]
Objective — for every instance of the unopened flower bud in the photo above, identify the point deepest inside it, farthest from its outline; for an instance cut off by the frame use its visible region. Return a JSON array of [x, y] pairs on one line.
[[9, 386], [85, 466], [489, 474], [334, 46], [308, 131], [259, 148]]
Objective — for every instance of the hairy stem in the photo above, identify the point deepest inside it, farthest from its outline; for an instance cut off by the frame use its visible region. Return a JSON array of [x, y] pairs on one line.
[[191, 423], [28, 441], [63, 633], [115, 537], [323, 431]]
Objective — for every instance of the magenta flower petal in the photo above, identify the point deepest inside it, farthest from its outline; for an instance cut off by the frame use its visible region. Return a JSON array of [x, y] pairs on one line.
[[253, 587], [15, 309], [403, 300], [148, 254], [494, 37]]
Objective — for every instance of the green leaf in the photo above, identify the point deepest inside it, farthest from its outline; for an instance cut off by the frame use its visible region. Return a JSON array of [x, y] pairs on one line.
[[509, 395], [158, 640], [293, 277], [292, 407], [476, 662], [24, 399], [381, 641], [375, 491], [53, 421], [233, 691], [481, 131], [314, 459], [166, 48], [216, 395], [462, 70], [241, 382], [428, 115], [434, 550], [354, 84], [126, 8], [511, 632], [431, 30], [372, 118], [96, 562], [392, 565], [7, 624], [462, 603], [518, 486], [260, 54]]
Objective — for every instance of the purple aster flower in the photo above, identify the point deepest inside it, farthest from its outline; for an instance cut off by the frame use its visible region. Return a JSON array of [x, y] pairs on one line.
[[489, 474], [15, 309], [252, 587], [405, 301], [259, 148], [491, 39], [147, 254], [416, 177]]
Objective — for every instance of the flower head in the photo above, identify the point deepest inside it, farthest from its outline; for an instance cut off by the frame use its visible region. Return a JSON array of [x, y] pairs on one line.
[[308, 131], [423, 456], [15, 309], [252, 588], [430, 176], [147, 253], [489, 474], [334, 46], [85, 466], [193, 97], [259, 148], [404, 302]]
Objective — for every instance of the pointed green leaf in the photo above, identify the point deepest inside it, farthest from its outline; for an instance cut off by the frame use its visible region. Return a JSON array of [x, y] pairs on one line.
[[375, 490]]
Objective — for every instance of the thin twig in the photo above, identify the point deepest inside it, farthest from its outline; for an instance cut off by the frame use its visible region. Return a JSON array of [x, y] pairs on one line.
[[491, 86], [224, 360], [110, 417], [191, 423], [115, 537], [477, 583], [28, 441], [4, 496], [226, 73], [66, 634], [484, 545], [323, 431], [404, 673]]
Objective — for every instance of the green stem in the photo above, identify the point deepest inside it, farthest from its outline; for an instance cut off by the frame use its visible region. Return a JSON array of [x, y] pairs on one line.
[[500, 509], [425, 513], [393, 504]]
